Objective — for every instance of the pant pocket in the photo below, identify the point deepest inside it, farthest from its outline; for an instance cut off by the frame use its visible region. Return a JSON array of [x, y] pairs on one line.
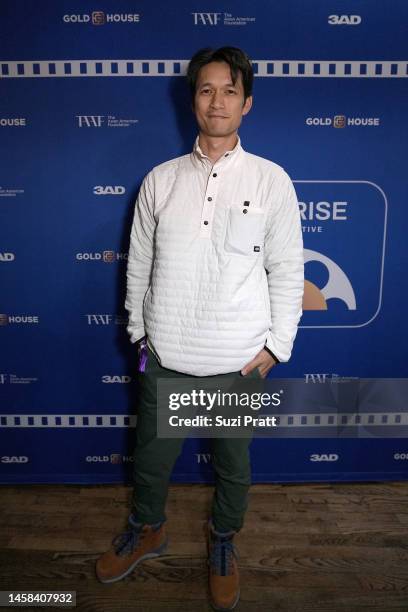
[[255, 373]]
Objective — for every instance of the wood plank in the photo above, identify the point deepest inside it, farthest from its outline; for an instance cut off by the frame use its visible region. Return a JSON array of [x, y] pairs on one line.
[[304, 548]]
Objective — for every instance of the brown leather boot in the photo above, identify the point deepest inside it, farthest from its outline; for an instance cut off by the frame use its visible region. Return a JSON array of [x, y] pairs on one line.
[[223, 569], [129, 549]]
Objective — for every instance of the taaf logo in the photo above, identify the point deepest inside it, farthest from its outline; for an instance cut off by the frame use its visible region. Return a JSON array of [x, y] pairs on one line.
[[13, 379], [344, 19], [317, 378], [211, 19], [228, 19], [344, 229], [10, 192], [88, 121], [203, 457], [325, 377], [109, 121], [109, 190], [106, 319]]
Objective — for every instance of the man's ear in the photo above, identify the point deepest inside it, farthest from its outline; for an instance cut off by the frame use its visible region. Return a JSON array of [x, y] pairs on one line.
[[247, 105]]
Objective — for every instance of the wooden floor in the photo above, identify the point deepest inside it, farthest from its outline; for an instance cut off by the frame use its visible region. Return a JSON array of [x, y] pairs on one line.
[[304, 548]]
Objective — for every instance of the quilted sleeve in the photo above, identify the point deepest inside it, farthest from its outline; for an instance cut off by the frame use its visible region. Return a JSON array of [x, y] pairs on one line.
[[284, 265], [140, 258]]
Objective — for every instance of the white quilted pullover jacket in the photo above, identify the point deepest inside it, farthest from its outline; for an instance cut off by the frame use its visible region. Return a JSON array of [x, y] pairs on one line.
[[215, 267]]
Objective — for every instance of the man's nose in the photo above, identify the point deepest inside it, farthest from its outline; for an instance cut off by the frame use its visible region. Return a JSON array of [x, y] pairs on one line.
[[217, 99]]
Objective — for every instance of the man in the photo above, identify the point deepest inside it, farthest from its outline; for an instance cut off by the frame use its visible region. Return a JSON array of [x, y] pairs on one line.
[[215, 285]]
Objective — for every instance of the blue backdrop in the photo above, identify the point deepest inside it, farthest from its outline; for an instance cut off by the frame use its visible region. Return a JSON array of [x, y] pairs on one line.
[[92, 97]]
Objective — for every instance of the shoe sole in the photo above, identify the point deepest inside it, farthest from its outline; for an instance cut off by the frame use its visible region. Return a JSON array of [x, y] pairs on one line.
[[215, 607], [151, 555]]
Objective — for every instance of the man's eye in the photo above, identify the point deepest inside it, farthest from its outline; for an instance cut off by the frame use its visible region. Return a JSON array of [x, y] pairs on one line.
[[205, 91], [231, 91]]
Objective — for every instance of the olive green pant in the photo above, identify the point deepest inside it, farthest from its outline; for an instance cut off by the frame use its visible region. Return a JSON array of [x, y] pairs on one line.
[[154, 459]]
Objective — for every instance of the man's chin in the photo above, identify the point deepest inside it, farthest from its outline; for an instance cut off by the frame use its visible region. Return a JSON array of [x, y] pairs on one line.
[[219, 133]]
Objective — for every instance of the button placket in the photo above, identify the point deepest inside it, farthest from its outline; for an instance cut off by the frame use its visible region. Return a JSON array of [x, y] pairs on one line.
[[208, 208]]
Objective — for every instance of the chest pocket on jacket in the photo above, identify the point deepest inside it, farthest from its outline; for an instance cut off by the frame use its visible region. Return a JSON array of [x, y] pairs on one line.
[[244, 233]]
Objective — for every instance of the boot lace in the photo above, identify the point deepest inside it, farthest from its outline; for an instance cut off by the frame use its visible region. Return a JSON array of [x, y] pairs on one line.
[[221, 556], [125, 543]]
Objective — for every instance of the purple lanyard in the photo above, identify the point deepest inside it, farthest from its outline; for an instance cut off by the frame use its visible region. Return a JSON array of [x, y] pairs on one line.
[[142, 351]]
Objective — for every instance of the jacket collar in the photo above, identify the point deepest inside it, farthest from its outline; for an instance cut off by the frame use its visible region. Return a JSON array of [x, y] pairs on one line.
[[200, 159]]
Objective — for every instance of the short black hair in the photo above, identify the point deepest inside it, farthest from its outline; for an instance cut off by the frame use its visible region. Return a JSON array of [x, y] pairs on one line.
[[237, 59]]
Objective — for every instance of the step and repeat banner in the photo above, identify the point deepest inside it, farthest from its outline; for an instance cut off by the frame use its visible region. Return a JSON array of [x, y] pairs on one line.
[[92, 96]]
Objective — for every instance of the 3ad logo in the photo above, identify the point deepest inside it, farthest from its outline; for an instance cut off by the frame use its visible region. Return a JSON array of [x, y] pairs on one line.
[[109, 190], [324, 457], [14, 459], [116, 379], [7, 256], [344, 230], [344, 19]]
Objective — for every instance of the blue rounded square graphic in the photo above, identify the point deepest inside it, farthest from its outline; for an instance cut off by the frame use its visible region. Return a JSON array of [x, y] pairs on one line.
[[344, 230]]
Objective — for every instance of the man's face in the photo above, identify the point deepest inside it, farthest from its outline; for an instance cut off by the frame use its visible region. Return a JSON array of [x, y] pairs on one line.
[[218, 104]]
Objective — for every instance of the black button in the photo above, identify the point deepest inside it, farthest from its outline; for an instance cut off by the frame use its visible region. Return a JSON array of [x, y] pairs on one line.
[[205, 222], [209, 199], [226, 155], [245, 211], [215, 174]]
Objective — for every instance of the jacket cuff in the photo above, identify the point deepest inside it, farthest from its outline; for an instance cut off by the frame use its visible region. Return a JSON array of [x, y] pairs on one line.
[[136, 335], [271, 354]]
